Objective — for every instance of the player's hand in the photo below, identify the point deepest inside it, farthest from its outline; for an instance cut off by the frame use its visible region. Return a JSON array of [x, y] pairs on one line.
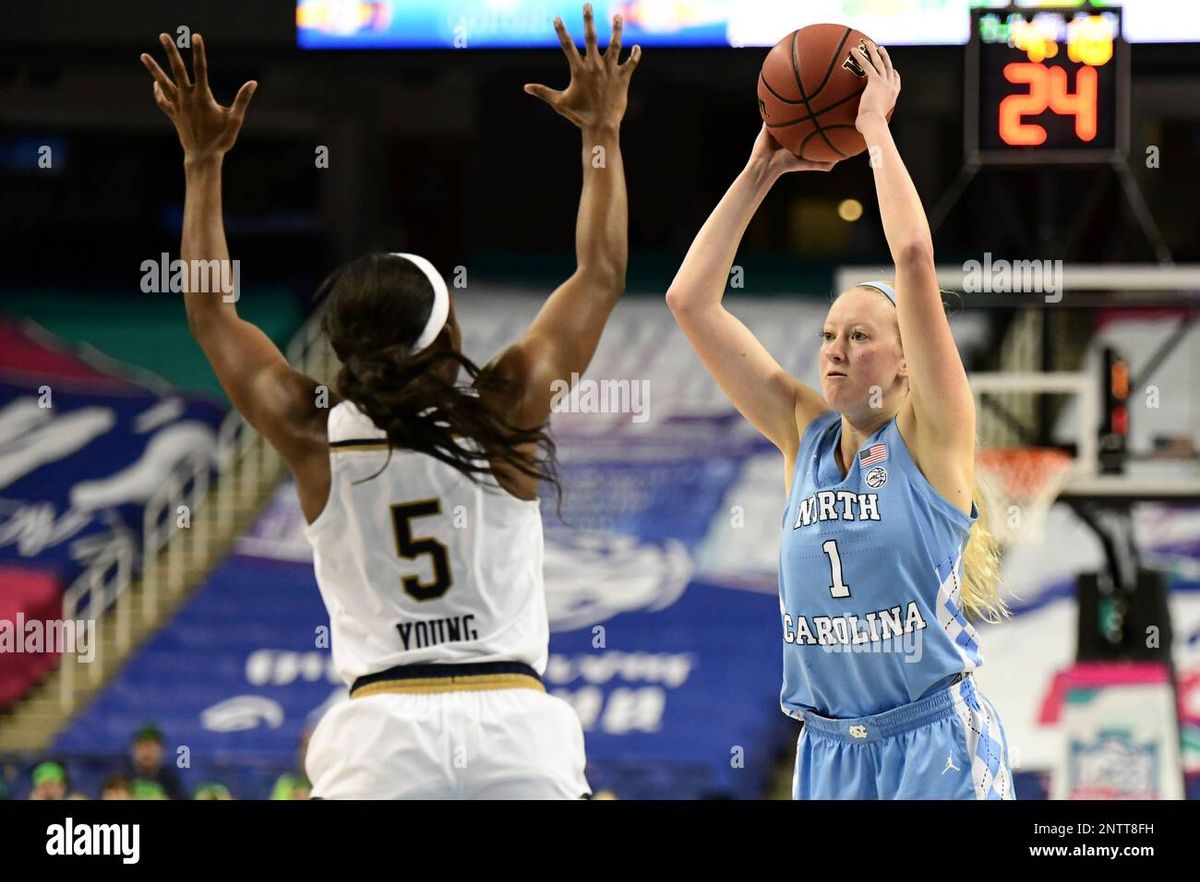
[[599, 84], [778, 159], [206, 129], [883, 84]]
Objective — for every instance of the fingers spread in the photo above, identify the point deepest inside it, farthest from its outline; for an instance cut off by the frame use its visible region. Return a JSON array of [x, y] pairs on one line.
[[160, 78], [177, 66], [199, 62], [613, 52], [550, 96], [242, 101], [634, 59], [568, 45], [589, 30], [161, 100]]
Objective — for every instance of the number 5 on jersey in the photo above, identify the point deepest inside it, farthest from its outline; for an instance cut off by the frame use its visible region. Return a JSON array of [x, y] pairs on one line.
[[411, 548]]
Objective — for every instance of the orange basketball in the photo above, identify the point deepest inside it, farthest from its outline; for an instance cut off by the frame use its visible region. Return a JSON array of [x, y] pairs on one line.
[[808, 92]]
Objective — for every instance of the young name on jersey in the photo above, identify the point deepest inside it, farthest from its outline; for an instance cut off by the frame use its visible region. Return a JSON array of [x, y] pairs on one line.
[[418, 635]]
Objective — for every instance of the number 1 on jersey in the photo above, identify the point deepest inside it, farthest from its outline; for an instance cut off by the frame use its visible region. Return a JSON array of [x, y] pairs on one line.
[[838, 588]]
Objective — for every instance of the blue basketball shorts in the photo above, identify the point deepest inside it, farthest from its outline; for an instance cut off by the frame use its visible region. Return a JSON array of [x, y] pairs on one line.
[[947, 745]]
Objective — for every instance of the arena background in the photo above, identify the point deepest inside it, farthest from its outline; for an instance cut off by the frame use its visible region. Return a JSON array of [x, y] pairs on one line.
[[661, 581]]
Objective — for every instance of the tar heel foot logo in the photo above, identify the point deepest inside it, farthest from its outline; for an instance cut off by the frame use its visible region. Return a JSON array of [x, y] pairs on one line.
[[105, 840]]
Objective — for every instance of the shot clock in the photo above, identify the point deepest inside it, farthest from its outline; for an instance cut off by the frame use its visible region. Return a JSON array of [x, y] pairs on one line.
[[1047, 85]]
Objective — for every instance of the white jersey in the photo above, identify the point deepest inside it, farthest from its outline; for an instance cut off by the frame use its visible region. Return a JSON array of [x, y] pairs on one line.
[[419, 564]]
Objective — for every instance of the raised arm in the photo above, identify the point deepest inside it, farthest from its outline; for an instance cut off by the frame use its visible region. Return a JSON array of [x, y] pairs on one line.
[[940, 395], [563, 337], [774, 402], [276, 400]]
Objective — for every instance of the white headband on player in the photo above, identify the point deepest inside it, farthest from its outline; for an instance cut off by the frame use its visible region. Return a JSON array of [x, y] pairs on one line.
[[441, 300], [883, 288]]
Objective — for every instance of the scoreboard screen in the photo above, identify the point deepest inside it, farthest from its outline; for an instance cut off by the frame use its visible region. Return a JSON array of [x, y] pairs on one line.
[[1046, 86], [512, 24]]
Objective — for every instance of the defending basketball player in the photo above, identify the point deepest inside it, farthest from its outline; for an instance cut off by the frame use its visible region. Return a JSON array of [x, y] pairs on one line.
[[883, 554], [421, 492]]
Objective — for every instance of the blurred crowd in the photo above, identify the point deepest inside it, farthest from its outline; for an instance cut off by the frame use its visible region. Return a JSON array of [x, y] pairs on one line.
[[146, 774]]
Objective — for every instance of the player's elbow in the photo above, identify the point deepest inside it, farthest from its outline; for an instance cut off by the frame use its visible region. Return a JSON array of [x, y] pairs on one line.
[[679, 301], [915, 253], [206, 325], [198, 325], [674, 300], [605, 275]]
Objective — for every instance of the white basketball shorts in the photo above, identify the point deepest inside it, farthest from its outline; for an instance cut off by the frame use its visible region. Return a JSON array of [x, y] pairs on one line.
[[509, 743]]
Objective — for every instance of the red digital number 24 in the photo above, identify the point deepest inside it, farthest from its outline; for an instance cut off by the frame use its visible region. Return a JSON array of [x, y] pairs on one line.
[[1047, 91]]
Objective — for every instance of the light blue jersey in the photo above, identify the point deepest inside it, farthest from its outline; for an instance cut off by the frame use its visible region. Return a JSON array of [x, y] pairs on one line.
[[870, 568], [878, 657]]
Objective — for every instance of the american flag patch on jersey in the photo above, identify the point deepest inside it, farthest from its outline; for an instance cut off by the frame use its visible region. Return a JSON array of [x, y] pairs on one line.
[[873, 454]]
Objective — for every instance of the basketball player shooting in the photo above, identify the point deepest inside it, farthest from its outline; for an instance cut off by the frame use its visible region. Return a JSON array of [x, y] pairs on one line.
[[884, 555], [421, 493]]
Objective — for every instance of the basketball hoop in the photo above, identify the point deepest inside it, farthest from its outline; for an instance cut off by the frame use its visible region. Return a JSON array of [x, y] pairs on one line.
[[1019, 484]]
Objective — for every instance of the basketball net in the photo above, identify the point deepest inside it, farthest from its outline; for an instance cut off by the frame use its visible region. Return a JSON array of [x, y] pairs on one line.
[[1019, 484]]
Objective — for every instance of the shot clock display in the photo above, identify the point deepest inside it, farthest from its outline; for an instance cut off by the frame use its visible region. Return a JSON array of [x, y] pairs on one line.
[[1046, 85]]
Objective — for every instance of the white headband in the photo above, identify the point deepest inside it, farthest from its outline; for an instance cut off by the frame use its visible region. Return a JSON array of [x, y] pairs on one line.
[[441, 300], [883, 288]]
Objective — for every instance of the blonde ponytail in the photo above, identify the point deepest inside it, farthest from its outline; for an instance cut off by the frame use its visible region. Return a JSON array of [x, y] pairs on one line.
[[981, 598]]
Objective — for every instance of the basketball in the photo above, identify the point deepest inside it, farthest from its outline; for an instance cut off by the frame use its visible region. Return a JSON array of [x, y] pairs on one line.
[[808, 92]]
